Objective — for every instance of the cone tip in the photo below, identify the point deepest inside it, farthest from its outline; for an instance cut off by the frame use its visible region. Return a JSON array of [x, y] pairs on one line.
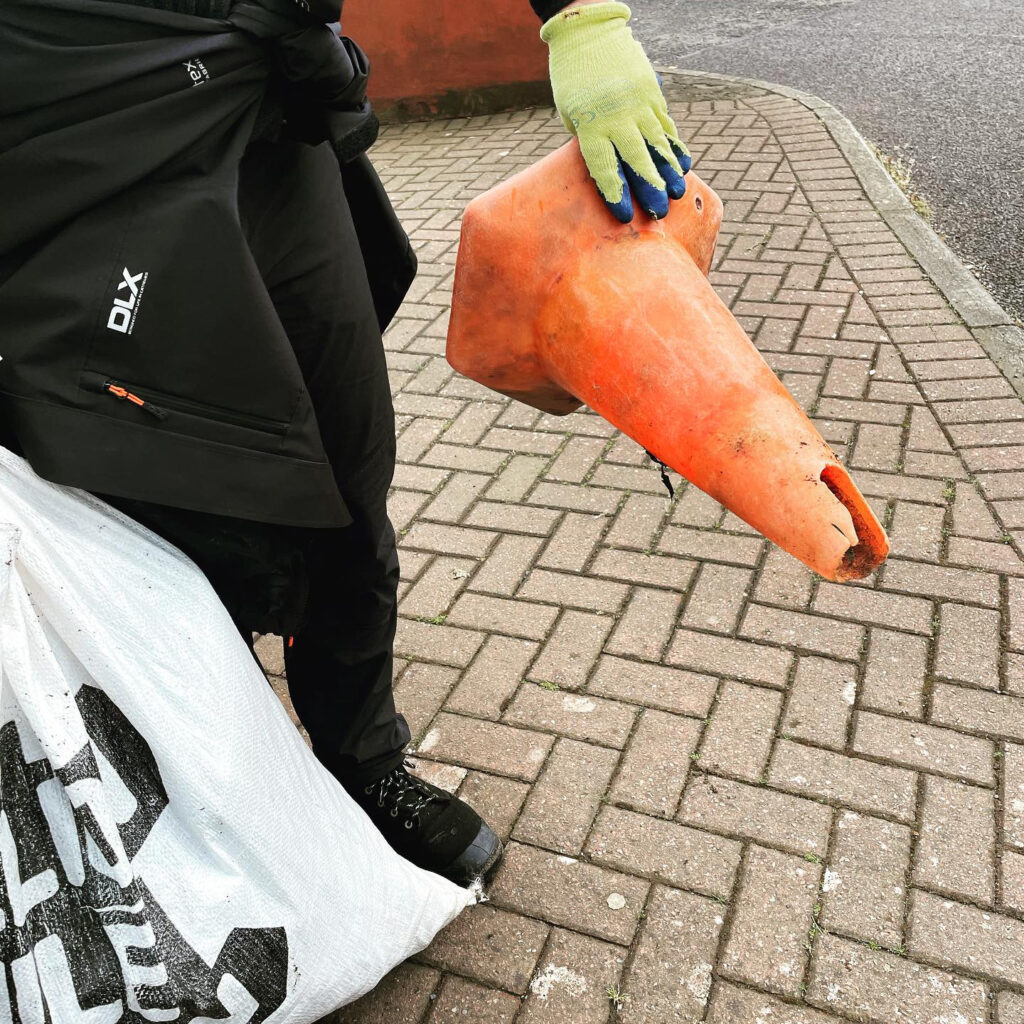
[[872, 547]]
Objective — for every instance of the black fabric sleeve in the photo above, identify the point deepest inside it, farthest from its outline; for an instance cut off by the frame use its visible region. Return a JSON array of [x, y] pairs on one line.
[[198, 8], [548, 8], [311, 12]]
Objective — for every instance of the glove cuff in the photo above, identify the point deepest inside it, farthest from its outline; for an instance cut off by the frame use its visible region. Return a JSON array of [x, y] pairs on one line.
[[566, 22]]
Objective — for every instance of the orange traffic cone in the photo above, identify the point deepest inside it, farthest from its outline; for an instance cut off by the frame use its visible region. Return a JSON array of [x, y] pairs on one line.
[[557, 305]]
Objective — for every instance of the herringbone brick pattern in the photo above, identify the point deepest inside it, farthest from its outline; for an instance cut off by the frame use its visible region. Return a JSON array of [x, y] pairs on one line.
[[731, 791]]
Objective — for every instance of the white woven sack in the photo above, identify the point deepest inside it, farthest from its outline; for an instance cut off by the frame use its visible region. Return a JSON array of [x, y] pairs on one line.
[[170, 849]]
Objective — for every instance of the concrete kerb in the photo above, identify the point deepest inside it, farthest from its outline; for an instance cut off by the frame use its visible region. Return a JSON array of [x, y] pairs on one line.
[[995, 330]]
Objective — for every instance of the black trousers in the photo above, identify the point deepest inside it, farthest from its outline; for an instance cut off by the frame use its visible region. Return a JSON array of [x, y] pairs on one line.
[[335, 590], [299, 226]]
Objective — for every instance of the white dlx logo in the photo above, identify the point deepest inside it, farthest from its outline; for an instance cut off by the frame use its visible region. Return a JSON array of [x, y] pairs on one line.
[[197, 72], [126, 303]]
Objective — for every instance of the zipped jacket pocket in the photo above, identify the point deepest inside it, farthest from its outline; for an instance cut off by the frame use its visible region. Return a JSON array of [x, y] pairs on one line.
[[159, 404]]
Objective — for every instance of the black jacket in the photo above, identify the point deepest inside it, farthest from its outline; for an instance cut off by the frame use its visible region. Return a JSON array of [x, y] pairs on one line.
[[141, 355]]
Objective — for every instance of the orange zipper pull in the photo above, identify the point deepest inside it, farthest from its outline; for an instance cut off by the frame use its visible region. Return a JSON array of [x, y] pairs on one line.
[[120, 392]]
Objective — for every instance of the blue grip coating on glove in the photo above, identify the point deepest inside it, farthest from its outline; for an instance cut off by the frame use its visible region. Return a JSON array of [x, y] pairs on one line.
[[651, 199], [623, 209]]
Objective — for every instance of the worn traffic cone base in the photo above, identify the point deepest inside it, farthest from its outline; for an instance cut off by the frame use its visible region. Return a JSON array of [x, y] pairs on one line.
[[557, 305]]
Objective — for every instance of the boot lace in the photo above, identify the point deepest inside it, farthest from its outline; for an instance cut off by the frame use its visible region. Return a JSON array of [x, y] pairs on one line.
[[403, 792]]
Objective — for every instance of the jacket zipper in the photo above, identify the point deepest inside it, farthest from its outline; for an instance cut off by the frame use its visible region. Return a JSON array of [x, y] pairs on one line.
[[143, 398], [128, 396]]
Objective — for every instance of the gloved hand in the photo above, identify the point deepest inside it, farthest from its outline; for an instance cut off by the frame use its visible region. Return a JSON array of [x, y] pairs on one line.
[[608, 96]]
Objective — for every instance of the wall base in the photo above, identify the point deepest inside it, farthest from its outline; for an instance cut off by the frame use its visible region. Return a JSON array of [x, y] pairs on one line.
[[485, 99]]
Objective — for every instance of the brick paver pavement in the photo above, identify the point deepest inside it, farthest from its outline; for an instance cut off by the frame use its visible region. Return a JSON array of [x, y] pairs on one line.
[[731, 791]]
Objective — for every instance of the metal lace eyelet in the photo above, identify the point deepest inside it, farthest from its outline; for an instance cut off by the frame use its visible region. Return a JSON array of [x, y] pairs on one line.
[[394, 812], [408, 824]]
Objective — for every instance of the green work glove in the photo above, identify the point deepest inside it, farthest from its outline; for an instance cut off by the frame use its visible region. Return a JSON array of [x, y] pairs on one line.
[[608, 96]]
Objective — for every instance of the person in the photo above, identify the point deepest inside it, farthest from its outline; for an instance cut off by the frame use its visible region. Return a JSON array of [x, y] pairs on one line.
[[196, 267]]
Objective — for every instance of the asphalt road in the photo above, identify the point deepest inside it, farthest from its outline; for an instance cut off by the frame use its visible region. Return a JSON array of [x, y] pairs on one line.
[[938, 82]]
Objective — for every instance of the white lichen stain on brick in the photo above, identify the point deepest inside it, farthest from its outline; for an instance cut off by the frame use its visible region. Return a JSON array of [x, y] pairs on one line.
[[579, 705], [850, 692], [477, 891], [832, 880], [429, 741], [699, 982], [566, 860], [535, 755], [833, 992], [574, 984], [616, 901]]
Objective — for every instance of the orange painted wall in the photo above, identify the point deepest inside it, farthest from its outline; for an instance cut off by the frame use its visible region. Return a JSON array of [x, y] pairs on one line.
[[423, 48]]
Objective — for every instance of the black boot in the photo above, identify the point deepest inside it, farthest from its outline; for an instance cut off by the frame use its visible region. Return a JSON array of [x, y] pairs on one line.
[[430, 827]]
